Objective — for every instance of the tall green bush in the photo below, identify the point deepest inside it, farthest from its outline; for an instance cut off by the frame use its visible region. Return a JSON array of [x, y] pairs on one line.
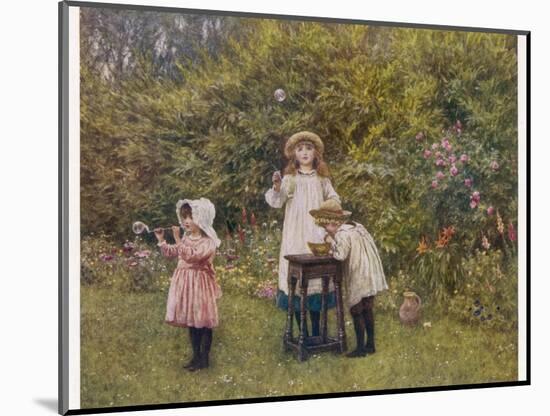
[[216, 130]]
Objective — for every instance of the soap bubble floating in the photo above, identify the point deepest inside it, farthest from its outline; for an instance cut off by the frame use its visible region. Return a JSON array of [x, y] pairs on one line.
[[139, 227], [279, 95]]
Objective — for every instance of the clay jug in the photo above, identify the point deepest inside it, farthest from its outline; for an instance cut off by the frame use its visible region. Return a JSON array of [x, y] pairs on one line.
[[409, 312]]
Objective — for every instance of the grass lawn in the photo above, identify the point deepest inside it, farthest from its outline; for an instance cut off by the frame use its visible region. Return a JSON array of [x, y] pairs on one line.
[[129, 356]]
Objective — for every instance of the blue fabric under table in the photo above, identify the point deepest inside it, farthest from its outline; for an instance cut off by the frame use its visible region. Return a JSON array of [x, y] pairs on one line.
[[313, 302]]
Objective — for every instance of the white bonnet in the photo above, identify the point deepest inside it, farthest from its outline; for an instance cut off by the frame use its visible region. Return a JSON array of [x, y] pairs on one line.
[[203, 212]]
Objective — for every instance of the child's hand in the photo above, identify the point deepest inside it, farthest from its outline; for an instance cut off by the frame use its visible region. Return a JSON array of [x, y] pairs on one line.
[[176, 233], [276, 179], [329, 239], [159, 233]]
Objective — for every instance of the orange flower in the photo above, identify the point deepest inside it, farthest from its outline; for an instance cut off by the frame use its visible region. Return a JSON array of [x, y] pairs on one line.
[[445, 236], [422, 246], [449, 231]]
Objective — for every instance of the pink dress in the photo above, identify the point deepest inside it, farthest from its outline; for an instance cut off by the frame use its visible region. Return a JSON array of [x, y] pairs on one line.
[[193, 289]]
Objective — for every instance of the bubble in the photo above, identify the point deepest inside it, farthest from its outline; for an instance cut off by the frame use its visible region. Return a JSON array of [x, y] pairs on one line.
[[138, 227], [279, 95]]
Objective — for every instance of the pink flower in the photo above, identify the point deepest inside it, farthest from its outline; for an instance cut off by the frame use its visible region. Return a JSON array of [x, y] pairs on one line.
[[485, 243], [439, 175], [143, 254], [458, 127], [435, 146], [133, 264], [490, 211], [474, 199], [452, 159], [438, 154], [427, 153], [464, 158], [446, 145], [419, 136], [434, 184], [241, 233], [468, 183], [454, 170], [106, 257], [494, 165], [511, 232], [440, 162]]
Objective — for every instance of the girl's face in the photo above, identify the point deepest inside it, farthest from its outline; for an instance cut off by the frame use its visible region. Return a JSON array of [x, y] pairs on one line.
[[332, 227], [189, 225], [305, 154]]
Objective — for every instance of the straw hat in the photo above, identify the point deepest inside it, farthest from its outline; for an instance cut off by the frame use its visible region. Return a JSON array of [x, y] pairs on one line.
[[330, 210], [303, 136]]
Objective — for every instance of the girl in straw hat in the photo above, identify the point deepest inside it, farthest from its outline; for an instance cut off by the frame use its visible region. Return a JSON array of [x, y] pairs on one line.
[[362, 269], [193, 289], [304, 186]]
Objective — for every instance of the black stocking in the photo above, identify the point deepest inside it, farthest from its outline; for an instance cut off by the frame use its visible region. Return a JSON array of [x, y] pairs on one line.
[[314, 317], [359, 326], [368, 315], [297, 316], [194, 335], [206, 344]]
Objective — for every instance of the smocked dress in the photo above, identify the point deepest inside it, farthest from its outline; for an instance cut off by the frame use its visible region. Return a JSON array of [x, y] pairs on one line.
[[193, 289], [299, 194]]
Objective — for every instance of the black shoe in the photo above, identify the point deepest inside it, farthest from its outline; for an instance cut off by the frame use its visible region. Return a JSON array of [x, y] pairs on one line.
[[204, 361], [192, 363], [370, 349], [356, 353], [195, 367]]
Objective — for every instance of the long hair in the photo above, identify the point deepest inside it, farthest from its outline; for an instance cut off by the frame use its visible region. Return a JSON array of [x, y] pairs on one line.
[[318, 164]]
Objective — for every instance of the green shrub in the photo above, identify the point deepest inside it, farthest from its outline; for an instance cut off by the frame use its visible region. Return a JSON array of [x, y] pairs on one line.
[[488, 294]]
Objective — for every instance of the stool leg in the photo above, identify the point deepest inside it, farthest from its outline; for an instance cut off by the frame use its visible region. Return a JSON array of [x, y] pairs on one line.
[[290, 312], [340, 315], [303, 325], [324, 310]]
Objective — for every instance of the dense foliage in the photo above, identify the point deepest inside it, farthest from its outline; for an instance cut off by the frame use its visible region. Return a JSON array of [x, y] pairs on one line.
[[420, 130]]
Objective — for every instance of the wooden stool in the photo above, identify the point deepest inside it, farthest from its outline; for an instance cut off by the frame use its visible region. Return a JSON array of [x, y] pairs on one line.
[[302, 268]]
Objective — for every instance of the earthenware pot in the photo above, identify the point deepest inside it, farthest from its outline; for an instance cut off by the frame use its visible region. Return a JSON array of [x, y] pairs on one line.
[[409, 312]]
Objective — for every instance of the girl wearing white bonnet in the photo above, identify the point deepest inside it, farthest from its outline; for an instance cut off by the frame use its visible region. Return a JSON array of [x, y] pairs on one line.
[[193, 289]]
